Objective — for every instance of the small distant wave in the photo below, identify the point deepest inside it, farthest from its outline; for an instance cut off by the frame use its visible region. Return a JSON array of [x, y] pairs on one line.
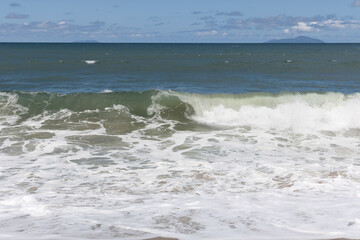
[[106, 91], [91, 61]]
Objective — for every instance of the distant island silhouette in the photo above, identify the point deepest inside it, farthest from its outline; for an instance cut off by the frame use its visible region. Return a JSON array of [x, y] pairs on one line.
[[300, 39]]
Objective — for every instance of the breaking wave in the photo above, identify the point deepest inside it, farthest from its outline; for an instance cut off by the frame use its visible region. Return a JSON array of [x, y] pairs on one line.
[[284, 111]]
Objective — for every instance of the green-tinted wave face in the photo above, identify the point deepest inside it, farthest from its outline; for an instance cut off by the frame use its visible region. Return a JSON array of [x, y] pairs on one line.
[[137, 102], [120, 112], [117, 112], [144, 104]]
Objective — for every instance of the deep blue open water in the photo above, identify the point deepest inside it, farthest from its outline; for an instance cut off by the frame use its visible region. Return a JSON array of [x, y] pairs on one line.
[[200, 68]]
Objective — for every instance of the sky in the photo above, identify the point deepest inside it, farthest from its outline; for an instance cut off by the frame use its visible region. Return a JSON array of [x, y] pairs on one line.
[[222, 21]]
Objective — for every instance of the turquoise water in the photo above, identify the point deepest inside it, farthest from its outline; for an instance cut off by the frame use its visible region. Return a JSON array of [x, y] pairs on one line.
[[191, 141]]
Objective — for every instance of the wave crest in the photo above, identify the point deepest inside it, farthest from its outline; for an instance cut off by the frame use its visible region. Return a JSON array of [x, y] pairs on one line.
[[294, 111], [286, 111]]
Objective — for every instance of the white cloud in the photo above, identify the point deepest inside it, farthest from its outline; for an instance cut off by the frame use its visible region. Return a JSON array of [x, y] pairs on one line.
[[302, 27], [142, 35], [206, 33], [329, 24], [333, 24], [272, 22], [136, 35]]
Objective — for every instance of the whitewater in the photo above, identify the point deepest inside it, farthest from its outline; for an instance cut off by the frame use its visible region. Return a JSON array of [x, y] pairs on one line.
[[142, 164]]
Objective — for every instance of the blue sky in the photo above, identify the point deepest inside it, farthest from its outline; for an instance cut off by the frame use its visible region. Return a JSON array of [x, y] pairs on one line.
[[178, 21]]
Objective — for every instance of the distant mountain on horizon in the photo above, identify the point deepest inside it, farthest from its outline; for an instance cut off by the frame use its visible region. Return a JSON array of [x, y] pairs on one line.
[[300, 39]]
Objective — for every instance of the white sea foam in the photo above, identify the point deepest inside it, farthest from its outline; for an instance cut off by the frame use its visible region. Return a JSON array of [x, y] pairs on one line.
[[71, 178], [10, 111], [106, 91], [26, 204], [91, 61], [309, 112]]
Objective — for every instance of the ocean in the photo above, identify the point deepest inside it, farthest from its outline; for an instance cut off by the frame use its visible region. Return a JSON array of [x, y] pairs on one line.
[[186, 141]]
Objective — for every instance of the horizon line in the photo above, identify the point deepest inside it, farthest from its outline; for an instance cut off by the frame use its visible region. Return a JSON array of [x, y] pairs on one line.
[[80, 42]]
